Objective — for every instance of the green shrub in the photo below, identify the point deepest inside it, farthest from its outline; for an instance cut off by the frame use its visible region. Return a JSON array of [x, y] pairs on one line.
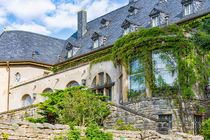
[[93, 133], [74, 104], [119, 125], [205, 129], [38, 120]]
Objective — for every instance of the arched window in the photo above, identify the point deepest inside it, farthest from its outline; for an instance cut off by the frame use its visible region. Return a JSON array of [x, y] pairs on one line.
[[72, 84], [27, 101], [48, 90], [17, 77], [103, 84]]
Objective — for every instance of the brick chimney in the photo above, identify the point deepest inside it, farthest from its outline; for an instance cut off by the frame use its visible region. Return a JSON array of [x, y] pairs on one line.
[[82, 23]]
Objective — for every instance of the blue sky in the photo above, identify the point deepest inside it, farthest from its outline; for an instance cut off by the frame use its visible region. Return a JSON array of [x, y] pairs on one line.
[[56, 18]]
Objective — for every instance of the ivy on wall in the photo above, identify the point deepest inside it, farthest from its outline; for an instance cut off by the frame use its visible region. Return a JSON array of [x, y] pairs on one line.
[[89, 58]]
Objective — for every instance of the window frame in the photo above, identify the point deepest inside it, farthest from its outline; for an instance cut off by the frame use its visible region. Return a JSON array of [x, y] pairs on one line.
[[141, 72], [155, 21], [163, 69], [188, 9]]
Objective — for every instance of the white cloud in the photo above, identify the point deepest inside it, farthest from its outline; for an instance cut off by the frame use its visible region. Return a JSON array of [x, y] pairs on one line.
[[3, 18], [65, 15], [30, 27], [27, 9]]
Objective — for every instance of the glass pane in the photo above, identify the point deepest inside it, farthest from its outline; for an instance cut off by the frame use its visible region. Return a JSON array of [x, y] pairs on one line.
[[136, 66], [95, 44], [73, 84], [27, 101], [70, 53], [109, 93], [165, 77], [109, 80], [94, 82], [163, 61], [137, 82], [101, 79]]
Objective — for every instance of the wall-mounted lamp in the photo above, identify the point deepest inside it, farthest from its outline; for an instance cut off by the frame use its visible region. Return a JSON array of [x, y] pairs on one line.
[[34, 96], [83, 82]]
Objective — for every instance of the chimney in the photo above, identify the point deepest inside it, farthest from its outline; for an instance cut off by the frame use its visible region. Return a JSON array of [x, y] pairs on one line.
[[82, 23], [131, 1]]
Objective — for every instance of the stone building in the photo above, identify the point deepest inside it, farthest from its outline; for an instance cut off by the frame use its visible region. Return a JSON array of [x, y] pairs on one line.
[[26, 58]]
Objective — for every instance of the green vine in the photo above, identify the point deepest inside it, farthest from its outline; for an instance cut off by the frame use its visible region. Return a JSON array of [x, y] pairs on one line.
[[82, 60]]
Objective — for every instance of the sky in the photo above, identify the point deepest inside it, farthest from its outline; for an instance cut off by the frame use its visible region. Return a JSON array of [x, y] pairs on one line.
[[55, 18]]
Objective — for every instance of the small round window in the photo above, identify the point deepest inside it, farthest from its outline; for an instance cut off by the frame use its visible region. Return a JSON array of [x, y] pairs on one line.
[[17, 77]]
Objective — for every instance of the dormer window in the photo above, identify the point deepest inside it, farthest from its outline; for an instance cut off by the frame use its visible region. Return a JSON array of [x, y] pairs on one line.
[[188, 9], [155, 21], [155, 15], [98, 40], [129, 27], [126, 31], [71, 50], [104, 22], [133, 10]]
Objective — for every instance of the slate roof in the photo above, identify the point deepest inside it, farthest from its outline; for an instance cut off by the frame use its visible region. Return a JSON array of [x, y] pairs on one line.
[[27, 46], [19, 45]]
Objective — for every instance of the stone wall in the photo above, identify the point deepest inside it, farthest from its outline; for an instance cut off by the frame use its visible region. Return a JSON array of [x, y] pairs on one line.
[[20, 114], [137, 120], [31, 131], [153, 107]]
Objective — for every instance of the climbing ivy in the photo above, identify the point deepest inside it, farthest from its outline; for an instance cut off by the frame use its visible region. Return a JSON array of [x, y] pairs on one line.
[[80, 61]]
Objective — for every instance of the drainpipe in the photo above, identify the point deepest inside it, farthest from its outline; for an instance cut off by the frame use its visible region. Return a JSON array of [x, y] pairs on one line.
[[8, 88]]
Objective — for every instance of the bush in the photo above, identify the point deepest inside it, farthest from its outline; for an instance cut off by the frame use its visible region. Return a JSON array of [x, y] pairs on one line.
[[119, 125], [93, 133], [74, 104], [39, 120], [205, 129], [82, 107]]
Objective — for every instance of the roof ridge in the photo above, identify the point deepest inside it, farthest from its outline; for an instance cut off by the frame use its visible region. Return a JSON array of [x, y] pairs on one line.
[[33, 33]]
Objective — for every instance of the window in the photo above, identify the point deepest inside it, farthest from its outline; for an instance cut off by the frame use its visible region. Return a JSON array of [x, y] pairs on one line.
[[48, 90], [188, 9], [137, 78], [168, 118], [27, 101], [101, 79], [95, 43], [126, 31], [155, 21], [17, 77], [70, 53], [73, 84], [164, 69], [103, 84], [197, 124]]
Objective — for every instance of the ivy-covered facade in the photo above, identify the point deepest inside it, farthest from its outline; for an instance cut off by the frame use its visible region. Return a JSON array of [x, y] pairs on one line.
[[151, 56]]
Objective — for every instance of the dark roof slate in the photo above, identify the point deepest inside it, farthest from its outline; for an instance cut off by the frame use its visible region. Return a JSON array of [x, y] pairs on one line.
[[27, 46]]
